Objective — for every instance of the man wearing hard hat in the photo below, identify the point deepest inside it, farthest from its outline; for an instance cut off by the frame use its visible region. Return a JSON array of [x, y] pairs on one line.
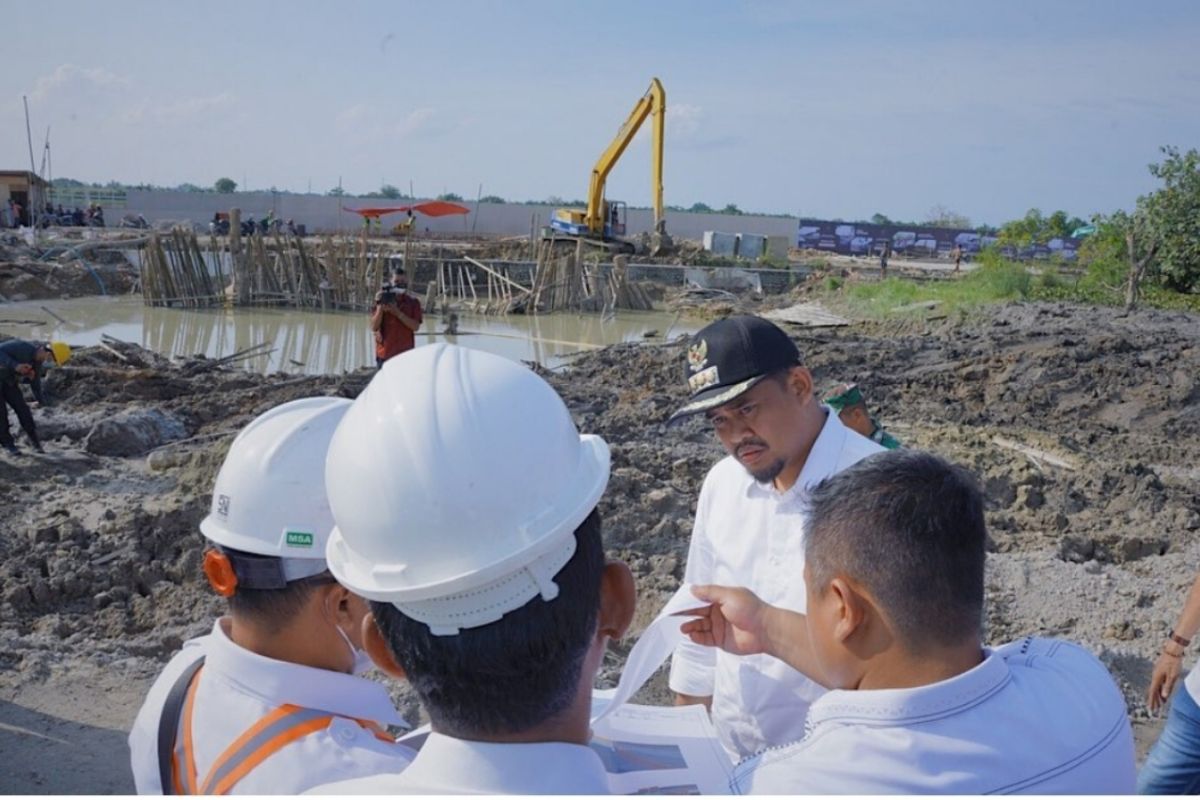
[[269, 702], [746, 377], [25, 360], [485, 569]]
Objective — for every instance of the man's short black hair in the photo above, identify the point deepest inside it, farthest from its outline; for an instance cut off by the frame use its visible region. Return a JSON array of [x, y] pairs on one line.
[[398, 271], [513, 674], [272, 610], [909, 527]]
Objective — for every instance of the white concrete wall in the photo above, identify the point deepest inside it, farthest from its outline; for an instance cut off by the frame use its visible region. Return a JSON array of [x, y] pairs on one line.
[[321, 213]]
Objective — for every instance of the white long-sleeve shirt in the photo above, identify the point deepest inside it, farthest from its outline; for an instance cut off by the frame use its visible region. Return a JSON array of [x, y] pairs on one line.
[[446, 765], [748, 534], [1036, 716], [237, 688]]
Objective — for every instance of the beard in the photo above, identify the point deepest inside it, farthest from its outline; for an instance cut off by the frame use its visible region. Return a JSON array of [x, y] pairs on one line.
[[768, 473]]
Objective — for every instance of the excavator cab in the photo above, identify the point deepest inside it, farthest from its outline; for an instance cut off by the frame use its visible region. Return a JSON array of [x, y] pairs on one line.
[[615, 213]]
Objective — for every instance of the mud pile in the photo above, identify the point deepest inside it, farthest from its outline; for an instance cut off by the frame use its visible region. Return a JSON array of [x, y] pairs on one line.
[[1081, 423], [28, 273]]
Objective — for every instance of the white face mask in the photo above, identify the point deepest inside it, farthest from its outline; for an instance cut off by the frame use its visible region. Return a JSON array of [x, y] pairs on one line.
[[362, 661], [401, 290]]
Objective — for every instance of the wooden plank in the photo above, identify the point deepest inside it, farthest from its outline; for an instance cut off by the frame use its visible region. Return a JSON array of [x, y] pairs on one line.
[[1034, 453], [810, 315]]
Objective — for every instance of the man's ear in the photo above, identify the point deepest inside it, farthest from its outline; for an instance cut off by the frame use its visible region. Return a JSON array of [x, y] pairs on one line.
[[618, 598], [850, 609], [375, 643], [800, 382]]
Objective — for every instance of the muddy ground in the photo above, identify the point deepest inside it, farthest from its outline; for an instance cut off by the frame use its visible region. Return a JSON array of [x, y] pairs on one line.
[[1081, 423]]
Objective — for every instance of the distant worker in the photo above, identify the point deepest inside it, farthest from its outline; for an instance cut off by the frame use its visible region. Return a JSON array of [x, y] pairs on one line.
[[957, 255], [269, 702], [21, 360], [395, 318], [491, 592], [848, 401], [893, 562], [747, 378], [1173, 766], [884, 254]]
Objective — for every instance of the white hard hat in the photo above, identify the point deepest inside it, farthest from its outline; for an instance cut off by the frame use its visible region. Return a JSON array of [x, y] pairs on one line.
[[457, 480], [269, 497]]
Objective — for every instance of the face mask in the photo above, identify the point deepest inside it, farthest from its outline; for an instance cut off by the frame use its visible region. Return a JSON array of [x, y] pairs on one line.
[[362, 661], [401, 290]]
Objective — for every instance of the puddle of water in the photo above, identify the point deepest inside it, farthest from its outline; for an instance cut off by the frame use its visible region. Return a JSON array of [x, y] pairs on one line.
[[318, 343]]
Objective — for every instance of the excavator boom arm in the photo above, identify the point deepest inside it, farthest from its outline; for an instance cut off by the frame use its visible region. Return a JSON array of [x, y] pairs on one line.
[[654, 102]]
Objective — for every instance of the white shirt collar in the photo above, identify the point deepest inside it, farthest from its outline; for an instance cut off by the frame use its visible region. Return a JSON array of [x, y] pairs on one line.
[[891, 706], [461, 766], [822, 460], [280, 682]]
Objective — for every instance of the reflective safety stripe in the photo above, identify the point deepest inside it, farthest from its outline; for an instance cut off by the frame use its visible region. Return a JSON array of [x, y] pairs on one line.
[[185, 781], [264, 739]]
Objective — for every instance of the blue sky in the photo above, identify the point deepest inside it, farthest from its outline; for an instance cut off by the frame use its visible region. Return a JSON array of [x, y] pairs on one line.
[[821, 109]]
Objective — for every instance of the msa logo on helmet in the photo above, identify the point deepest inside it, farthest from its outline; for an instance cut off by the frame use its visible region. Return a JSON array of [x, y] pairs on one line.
[[223, 505], [298, 539], [703, 379]]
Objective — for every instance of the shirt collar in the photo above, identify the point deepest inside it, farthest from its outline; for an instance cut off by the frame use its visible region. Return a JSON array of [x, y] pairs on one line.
[[540, 768], [822, 460], [893, 706], [280, 682]]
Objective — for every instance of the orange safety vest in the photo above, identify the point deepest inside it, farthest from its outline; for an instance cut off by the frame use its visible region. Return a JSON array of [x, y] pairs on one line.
[[261, 740]]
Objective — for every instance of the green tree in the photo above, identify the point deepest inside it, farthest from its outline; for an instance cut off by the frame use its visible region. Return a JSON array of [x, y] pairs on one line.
[[389, 191], [492, 198], [700, 208], [336, 191], [731, 209], [880, 219], [225, 185], [450, 197], [1170, 219]]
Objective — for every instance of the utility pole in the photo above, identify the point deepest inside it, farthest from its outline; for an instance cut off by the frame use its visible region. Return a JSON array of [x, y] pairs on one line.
[[33, 206]]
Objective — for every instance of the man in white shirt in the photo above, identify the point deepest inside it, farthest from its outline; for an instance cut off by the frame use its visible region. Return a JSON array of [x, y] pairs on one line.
[[745, 375], [268, 703], [894, 576], [492, 596]]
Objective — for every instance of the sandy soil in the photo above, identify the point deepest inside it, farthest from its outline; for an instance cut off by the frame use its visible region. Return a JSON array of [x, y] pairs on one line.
[[1081, 424]]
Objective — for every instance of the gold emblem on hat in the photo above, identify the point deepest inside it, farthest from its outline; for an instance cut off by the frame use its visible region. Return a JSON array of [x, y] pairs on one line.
[[698, 355]]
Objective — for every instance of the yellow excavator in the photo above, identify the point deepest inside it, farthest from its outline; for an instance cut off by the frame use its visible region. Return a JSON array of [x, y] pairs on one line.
[[603, 222]]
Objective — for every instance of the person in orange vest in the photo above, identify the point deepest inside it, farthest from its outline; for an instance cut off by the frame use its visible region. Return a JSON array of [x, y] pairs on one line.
[[270, 702]]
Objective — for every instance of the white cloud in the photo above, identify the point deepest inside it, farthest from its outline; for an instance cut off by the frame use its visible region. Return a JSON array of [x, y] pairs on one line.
[[67, 78]]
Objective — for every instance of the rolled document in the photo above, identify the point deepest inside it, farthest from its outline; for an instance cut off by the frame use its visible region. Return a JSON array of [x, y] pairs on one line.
[[657, 642]]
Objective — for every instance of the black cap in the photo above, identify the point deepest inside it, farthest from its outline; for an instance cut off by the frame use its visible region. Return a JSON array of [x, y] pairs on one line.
[[727, 357]]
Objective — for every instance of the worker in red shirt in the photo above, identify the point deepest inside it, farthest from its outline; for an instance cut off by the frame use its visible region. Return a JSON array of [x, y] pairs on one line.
[[395, 318]]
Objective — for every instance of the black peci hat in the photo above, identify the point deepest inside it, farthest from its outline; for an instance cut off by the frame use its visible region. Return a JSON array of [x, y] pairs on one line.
[[728, 357]]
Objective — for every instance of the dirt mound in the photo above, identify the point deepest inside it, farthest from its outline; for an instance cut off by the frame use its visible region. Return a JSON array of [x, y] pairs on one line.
[[1081, 424]]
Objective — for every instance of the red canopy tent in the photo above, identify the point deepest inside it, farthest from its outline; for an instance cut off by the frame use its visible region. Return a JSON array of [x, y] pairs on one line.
[[432, 208]]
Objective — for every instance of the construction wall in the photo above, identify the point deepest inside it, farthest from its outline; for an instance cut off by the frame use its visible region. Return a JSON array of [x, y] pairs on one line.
[[321, 213]]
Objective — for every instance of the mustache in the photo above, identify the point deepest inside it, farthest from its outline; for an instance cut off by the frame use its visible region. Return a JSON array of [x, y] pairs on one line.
[[751, 442]]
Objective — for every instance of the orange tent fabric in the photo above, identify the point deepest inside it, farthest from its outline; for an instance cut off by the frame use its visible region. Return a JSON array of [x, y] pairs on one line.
[[433, 208]]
